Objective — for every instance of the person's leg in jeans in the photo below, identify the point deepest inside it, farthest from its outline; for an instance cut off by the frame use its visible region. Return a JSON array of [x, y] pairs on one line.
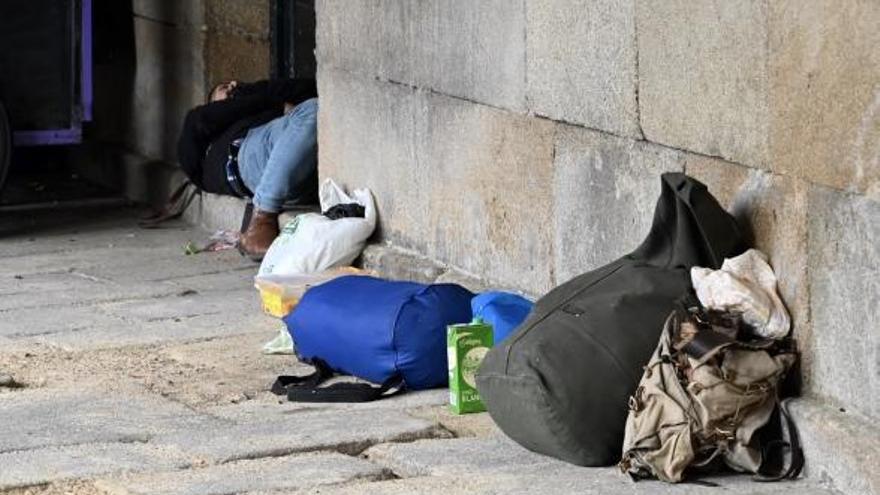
[[285, 157], [276, 160]]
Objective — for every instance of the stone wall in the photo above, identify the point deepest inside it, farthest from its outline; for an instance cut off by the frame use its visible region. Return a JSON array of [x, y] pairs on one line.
[[521, 141], [181, 50], [169, 73], [237, 40]]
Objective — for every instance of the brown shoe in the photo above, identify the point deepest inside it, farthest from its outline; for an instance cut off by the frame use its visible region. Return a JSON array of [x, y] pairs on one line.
[[259, 235]]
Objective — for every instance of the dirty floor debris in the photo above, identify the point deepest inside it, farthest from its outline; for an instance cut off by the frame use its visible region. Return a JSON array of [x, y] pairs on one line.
[[127, 367]]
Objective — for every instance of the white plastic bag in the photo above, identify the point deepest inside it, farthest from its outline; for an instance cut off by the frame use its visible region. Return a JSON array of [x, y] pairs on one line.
[[745, 285], [281, 344], [312, 242]]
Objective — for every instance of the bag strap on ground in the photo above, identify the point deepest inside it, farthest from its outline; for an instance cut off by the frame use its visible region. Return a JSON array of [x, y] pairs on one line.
[[307, 388], [789, 442], [177, 203]]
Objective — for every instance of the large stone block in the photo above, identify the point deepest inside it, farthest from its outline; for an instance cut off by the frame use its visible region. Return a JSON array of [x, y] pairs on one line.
[[825, 92], [367, 138], [158, 268], [490, 467], [844, 271], [489, 175], [237, 300], [42, 418], [161, 331], [473, 50], [268, 409], [469, 281], [238, 16], [462, 183], [348, 432], [582, 63], [606, 481], [273, 475], [36, 292], [216, 212], [37, 321], [42, 262], [35, 467], [772, 210], [399, 264], [169, 80], [403, 264], [463, 456], [235, 56], [839, 446], [605, 189], [80, 237], [703, 80], [189, 13]]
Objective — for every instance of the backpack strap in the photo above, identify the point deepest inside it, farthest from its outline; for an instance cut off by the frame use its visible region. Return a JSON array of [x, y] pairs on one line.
[[707, 343], [307, 388], [284, 382], [177, 203], [347, 392], [791, 444]]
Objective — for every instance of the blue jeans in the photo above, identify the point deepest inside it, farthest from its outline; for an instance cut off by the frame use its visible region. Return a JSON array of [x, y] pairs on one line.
[[276, 159]]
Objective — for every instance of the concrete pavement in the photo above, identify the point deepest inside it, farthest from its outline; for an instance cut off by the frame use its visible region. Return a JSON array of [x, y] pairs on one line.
[[137, 370]]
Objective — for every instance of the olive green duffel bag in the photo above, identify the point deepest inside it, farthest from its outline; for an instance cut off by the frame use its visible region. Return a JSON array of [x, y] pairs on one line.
[[559, 384]]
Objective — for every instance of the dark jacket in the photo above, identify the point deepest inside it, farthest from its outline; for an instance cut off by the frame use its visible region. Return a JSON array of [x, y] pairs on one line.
[[208, 129]]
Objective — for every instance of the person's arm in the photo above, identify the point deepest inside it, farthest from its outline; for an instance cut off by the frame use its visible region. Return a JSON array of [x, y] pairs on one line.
[[204, 123], [211, 119], [191, 148]]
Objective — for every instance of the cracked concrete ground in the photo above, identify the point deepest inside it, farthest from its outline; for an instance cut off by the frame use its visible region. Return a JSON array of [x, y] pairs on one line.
[[134, 369]]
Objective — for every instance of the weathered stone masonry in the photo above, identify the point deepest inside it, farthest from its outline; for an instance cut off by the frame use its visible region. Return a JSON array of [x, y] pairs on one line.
[[521, 141], [181, 50], [184, 48]]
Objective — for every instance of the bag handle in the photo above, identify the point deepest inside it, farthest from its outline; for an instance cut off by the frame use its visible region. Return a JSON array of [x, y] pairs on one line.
[[285, 382], [177, 203], [792, 444], [307, 388]]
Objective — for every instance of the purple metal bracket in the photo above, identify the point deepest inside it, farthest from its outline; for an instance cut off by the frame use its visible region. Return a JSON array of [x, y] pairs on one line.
[[50, 136], [72, 135], [86, 95]]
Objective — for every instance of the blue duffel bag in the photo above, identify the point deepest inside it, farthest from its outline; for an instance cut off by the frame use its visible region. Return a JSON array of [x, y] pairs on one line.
[[378, 330], [503, 310]]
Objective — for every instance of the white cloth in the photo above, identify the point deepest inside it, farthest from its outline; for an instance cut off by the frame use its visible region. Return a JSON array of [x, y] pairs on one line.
[[745, 285]]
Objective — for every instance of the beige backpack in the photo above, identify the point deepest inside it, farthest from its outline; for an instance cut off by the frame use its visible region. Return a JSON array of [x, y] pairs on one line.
[[703, 398]]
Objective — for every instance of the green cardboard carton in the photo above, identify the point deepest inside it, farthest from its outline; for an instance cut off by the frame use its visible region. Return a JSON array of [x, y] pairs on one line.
[[466, 345]]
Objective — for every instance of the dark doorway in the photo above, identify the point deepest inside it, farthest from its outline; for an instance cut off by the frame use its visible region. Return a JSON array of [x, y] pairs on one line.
[[64, 53], [293, 38]]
